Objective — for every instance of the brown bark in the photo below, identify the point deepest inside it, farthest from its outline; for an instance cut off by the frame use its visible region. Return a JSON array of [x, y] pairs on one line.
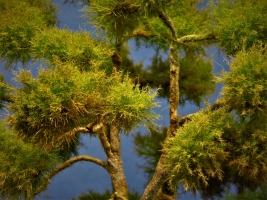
[[111, 142], [115, 166], [161, 172]]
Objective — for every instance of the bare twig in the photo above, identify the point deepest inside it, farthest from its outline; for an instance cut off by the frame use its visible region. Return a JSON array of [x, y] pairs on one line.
[[214, 107]]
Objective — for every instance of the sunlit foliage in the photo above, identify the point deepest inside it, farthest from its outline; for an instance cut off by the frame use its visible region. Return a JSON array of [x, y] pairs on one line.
[[20, 21], [245, 92], [198, 149], [66, 45], [63, 97], [216, 144], [246, 84], [240, 24]]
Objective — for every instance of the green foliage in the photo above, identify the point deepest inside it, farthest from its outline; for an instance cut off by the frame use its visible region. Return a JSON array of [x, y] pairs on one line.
[[197, 151], [245, 93], [240, 24], [20, 21], [196, 79], [91, 195], [79, 47], [189, 19], [245, 86], [63, 98], [259, 194], [23, 165]]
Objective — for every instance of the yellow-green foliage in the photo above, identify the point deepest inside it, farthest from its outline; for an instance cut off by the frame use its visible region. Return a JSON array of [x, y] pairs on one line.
[[189, 19], [63, 97], [240, 23], [20, 21], [197, 151], [246, 84], [245, 92], [23, 166], [79, 47]]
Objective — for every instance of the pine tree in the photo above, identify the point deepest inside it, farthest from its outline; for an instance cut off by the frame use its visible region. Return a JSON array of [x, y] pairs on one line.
[[82, 89]]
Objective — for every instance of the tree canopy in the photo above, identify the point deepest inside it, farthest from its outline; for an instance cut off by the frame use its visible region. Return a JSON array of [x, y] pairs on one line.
[[89, 85]]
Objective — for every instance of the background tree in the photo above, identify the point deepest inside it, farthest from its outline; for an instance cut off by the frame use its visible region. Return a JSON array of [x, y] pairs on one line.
[[81, 90]]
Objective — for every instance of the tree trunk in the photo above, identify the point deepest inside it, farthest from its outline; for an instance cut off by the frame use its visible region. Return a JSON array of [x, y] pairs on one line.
[[115, 166], [161, 172]]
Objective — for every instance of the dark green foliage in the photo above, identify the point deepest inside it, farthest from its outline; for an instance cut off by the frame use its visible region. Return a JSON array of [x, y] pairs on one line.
[[23, 165], [91, 195], [114, 17], [149, 147], [259, 194], [20, 21]]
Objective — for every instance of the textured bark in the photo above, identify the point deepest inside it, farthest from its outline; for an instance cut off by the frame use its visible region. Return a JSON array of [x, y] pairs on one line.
[[114, 165], [111, 142], [161, 172], [196, 38]]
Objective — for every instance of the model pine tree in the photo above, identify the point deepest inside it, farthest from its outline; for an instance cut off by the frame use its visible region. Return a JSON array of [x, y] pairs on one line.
[[81, 89]]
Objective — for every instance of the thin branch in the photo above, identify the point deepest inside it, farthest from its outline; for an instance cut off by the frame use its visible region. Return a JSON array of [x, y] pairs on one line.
[[167, 21], [105, 143], [116, 60], [67, 164], [142, 33], [91, 128], [214, 107], [196, 38]]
